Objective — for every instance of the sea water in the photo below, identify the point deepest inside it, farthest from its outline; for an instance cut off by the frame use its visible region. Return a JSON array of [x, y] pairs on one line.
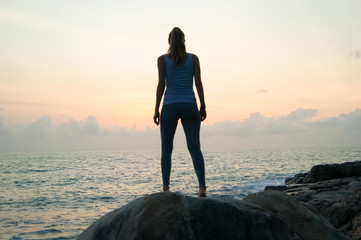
[[58, 195]]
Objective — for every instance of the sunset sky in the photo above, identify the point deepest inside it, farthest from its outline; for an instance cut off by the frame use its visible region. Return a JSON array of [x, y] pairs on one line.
[[93, 64]]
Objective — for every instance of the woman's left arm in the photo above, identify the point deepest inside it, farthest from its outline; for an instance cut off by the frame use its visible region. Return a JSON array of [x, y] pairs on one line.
[[199, 86]]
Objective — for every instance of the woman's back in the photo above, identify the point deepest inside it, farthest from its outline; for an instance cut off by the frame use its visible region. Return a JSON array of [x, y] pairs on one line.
[[179, 81]]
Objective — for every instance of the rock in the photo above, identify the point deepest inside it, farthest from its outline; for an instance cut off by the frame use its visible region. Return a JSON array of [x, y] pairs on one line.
[[333, 191], [298, 178], [277, 188], [174, 216], [327, 172], [305, 222]]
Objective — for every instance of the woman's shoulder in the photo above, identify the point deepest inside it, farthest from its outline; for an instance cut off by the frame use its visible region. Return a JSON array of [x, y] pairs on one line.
[[161, 58], [194, 57]]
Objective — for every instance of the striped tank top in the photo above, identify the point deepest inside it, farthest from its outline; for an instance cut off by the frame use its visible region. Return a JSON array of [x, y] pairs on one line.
[[179, 81]]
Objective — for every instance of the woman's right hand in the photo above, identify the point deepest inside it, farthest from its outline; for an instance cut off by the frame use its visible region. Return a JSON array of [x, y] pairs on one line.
[[156, 118]]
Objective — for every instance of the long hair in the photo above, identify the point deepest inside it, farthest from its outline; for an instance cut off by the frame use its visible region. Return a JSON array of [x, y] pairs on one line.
[[177, 49]]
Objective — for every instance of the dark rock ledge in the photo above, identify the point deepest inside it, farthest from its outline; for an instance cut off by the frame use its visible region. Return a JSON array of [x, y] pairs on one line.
[[332, 191], [308, 207]]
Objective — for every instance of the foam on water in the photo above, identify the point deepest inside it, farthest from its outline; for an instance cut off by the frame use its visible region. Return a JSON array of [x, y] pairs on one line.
[[57, 195]]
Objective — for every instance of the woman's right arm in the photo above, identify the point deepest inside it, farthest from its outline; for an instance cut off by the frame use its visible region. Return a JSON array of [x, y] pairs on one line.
[[160, 88]]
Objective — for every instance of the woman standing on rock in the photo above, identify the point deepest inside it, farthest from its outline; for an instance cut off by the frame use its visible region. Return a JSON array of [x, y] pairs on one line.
[[176, 70]]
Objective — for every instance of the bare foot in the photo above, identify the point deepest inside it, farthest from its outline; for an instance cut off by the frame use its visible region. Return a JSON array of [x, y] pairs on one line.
[[166, 188], [202, 192]]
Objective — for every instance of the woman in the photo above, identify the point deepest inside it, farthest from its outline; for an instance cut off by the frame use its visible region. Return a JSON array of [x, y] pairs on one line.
[[176, 70]]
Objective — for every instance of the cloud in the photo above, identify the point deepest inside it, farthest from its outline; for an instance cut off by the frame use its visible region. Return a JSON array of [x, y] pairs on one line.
[[3, 131], [75, 128], [297, 129], [355, 54], [38, 130], [1, 108], [257, 124], [262, 91], [345, 123], [295, 122]]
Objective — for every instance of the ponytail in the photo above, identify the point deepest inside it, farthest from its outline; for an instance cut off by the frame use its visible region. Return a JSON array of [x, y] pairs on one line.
[[177, 49]]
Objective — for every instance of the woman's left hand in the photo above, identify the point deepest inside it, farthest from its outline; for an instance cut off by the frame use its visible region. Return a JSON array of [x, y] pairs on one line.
[[203, 113]]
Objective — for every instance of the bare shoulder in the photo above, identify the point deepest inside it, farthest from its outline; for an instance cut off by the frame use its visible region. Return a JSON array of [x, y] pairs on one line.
[[161, 57], [161, 60], [195, 58]]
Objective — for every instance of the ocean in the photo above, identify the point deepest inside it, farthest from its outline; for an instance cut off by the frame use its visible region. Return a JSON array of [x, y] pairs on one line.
[[58, 195]]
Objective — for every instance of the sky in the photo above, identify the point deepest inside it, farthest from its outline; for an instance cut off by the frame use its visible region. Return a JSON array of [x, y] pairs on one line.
[[81, 75]]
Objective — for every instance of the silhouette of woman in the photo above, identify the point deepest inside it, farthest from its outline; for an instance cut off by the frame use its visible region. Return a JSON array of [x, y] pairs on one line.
[[176, 70]]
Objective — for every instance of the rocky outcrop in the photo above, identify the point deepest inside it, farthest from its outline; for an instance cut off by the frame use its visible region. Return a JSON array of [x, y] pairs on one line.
[[267, 215], [302, 220], [333, 191], [326, 172]]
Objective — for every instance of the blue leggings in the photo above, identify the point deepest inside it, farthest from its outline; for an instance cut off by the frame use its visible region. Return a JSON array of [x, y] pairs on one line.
[[191, 121]]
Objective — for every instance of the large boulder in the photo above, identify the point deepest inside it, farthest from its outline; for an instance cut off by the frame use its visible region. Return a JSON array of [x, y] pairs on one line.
[[174, 216], [301, 219]]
